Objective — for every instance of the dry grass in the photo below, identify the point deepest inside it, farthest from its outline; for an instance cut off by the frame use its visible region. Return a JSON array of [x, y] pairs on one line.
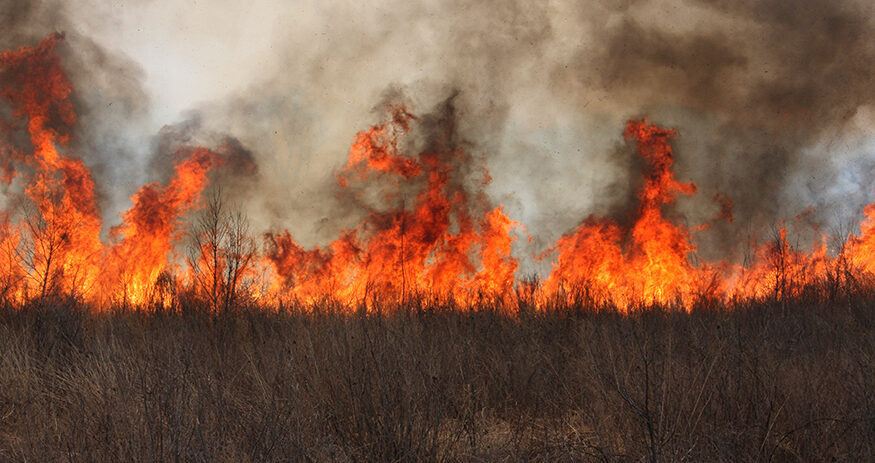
[[755, 384]]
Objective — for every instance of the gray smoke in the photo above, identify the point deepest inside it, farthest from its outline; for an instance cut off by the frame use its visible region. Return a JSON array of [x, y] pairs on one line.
[[773, 100], [764, 94], [108, 98]]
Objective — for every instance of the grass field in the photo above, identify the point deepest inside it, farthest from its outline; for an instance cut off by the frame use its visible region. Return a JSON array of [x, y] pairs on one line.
[[759, 383]]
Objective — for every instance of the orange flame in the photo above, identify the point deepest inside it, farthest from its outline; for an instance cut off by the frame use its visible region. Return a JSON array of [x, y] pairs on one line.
[[62, 247], [151, 227], [399, 254], [444, 241], [645, 265]]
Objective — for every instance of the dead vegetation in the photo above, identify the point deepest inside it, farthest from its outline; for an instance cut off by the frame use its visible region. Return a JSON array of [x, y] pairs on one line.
[[436, 384]]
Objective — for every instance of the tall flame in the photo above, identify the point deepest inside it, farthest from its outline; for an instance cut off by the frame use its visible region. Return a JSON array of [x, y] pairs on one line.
[[648, 264], [60, 228], [436, 236], [425, 249]]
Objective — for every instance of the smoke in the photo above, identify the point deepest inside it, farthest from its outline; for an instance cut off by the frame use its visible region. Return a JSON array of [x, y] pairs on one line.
[[108, 98], [762, 92], [772, 100]]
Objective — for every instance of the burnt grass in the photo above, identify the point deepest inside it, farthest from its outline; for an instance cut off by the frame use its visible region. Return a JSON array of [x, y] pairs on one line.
[[756, 382]]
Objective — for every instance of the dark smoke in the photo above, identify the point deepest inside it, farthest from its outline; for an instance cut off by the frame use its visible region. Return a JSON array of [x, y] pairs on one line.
[[24, 22], [773, 102], [750, 86]]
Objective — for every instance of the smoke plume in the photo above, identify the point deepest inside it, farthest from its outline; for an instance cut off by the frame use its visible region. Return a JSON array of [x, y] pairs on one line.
[[773, 101]]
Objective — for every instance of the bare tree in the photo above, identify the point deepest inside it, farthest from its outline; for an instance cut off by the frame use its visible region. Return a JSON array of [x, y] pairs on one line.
[[239, 255], [221, 252], [44, 242]]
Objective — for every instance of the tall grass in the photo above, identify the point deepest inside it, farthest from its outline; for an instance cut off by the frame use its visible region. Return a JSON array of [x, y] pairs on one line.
[[433, 384]]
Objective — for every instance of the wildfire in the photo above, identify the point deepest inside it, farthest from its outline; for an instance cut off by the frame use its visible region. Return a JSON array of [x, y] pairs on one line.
[[422, 250], [437, 239], [56, 246]]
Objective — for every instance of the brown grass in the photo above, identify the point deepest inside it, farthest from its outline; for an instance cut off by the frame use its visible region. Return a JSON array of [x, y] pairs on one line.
[[755, 384]]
